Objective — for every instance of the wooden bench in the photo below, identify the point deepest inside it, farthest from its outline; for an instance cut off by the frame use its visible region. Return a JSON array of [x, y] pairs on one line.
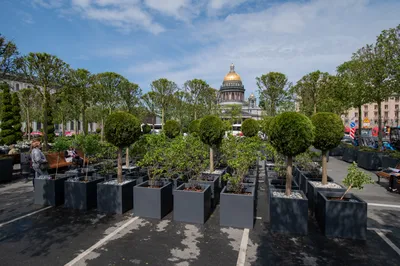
[[53, 157], [386, 173]]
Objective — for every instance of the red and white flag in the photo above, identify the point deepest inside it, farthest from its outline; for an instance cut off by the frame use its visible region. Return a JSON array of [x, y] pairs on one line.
[[352, 132]]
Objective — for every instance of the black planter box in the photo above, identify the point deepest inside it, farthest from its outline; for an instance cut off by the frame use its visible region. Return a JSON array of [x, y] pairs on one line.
[[342, 219], [281, 184], [81, 195], [388, 161], [304, 177], [349, 155], [176, 182], [369, 160], [296, 174], [237, 210], [192, 206], [312, 193], [215, 188], [152, 202], [288, 215], [210, 176], [6, 169], [113, 198], [49, 191], [140, 177], [338, 151]]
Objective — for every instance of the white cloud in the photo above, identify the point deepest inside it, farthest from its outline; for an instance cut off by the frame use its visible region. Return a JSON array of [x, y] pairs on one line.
[[48, 3], [218, 4]]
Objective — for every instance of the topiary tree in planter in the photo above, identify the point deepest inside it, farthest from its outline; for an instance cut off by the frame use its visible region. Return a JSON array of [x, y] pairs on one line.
[[146, 129], [194, 127], [250, 127], [7, 121], [291, 133], [328, 134], [172, 129], [265, 123], [122, 129], [211, 133], [90, 147], [356, 178], [61, 144]]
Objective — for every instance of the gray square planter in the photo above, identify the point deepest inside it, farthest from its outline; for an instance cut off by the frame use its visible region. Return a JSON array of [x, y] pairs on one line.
[[281, 184], [342, 219], [312, 194], [140, 177], [6, 166], [192, 206], [237, 210], [114, 198], [211, 176], [215, 188], [338, 151], [175, 183], [288, 215], [368, 160], [349, 155], [81, 195], [49, 191], [305, 176], [388, 161], [152, 202]]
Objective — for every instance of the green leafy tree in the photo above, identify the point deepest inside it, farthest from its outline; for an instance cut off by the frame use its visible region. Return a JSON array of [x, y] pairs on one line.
[[291, 134], [211, 133], [356, 178], [265, 123], [16, 110], [149, 101], [7, 120], [122, 129], [30, 106], [163, 91], [61, 144], [250, 127], [90, 147], [146, 129], [328, 135], [8, 57], [274, 90], [46, 72], [197, 90], [172, 129], [50, 119], [378, 76], [130, 94], [194, 127], [234, 112]]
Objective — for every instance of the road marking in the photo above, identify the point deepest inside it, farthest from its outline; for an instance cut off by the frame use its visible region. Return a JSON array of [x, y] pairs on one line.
[[383, 230], [26, 215], [258, 218], [387, 240], [101, 242], [243, 248], [383, 205]]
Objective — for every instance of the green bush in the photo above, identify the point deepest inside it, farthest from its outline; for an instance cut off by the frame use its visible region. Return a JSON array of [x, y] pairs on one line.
[[16, 110], [291, 133], [7, 131], [194, 127], [356, 178], [98, 130], [61, 144], [172, 129], [265, 123], [250, 127], [146, 129], [122, 129], [211, 133]]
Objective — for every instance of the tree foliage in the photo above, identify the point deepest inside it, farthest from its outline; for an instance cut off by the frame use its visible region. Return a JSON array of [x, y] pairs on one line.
[[211, 130], [8, 56], [16, 111], [172, 129], [163, 92], [194, 127], [122, 129], [7, 120], [250, 127], [328, 131]]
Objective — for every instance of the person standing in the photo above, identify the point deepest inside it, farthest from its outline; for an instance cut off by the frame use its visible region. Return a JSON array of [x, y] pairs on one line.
[[39, 161]]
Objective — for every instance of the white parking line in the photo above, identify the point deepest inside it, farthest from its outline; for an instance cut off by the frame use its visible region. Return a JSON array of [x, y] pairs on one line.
[[101, 242], [26, 215], [384, 205], [243, 248], [387, 240], [380, 229]]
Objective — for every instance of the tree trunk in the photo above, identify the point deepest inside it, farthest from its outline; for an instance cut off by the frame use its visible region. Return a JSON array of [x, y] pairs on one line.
[[211, 160], [288, 190], [359, 123], [76, 128], [324, 169], [62, 126], [195, 114], [127, 157], [87, 169], [119, 175], [46, 107], [379, 125], [102, 129], [347, 190], [162, 118], [28, 125], [84, 123], [315, 108]]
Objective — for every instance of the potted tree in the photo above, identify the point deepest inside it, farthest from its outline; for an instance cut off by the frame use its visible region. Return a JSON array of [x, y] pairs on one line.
[[153, 198], [51, 191], [291, 134], [116, 195], [81, 191], [172, 129], [250, 129], [328, 134], [192, 201], [343, 214], [211, 133], [238, 197]]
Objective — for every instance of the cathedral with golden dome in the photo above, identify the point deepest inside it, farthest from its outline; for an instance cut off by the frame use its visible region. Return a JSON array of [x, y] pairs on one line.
[[232, 92]]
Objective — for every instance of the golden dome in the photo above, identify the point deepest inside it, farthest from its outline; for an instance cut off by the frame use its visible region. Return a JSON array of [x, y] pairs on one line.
[[232, 75]]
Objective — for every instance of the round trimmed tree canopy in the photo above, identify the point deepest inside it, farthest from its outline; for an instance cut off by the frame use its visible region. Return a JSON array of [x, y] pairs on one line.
[[329, 130], [122, 129]]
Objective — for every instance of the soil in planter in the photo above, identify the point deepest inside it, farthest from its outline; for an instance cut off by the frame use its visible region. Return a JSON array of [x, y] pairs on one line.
[[344, 199], [154, 184], [194, 188]]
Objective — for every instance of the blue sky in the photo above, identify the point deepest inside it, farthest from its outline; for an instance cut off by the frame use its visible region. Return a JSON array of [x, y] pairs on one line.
[[184, 39]]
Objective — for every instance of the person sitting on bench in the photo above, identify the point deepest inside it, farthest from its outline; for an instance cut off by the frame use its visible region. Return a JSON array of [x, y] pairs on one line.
[[72, 156]]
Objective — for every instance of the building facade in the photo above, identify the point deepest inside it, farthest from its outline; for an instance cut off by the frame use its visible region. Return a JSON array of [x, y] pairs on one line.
[[232, 92]]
